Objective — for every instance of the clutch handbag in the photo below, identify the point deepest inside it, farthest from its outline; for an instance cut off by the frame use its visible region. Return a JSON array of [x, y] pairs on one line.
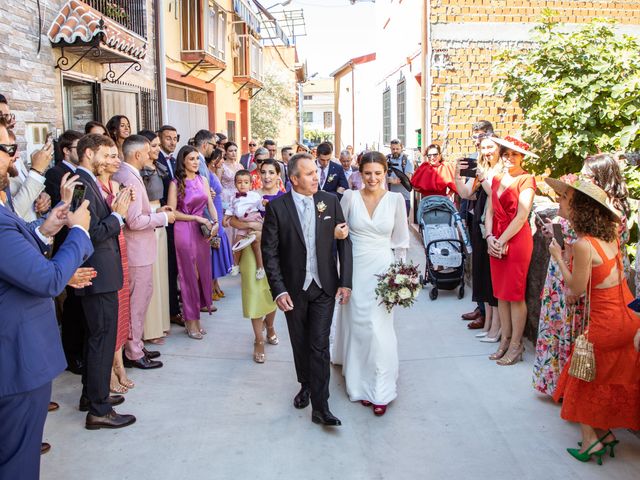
[[206, 233], [583, 360]]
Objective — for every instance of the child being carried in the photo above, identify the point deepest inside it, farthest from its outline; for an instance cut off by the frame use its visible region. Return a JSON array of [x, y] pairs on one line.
[[246, 206]]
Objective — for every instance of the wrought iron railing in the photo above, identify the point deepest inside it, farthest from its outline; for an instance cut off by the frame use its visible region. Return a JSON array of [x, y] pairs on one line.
[[131, 14]]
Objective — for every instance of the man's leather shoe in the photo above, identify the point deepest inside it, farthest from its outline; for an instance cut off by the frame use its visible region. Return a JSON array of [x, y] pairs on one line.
[[150, 354], [114, 400], [177, 319], [145, 363], [476, 324], [325, 418], [53, 406], [44, 448], [110, 420], [75, 366], [472, 315], [301, 400]]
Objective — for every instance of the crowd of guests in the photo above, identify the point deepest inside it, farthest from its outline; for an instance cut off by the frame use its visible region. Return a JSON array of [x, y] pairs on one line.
[[586, 288], [130, 234]]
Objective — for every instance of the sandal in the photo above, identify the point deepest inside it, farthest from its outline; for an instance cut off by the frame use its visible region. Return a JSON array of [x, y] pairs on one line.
[[115, 386], [194, 335], [258, 357], [122, 377], [273, 339]]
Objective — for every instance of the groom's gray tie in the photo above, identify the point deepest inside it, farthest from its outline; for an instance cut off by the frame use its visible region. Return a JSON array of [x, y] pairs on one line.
[[308, 230]]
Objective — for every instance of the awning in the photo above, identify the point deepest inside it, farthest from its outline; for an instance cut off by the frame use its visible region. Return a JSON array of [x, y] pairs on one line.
[[79, 26], [248, 16]]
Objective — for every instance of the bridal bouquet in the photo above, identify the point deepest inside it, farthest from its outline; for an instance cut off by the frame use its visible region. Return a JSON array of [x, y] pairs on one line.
[[400, 285]]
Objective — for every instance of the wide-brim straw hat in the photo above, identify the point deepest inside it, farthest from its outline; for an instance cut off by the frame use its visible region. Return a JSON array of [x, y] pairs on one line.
[[516, 144], [586, 187]]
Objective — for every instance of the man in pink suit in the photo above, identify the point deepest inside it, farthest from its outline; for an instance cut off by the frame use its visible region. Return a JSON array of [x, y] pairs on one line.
[[141, 246]]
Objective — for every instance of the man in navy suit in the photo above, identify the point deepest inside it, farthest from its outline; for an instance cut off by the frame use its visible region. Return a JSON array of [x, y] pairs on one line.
[[330, 174], [100, 300], [31, 354], [169, 139], [247, 160]]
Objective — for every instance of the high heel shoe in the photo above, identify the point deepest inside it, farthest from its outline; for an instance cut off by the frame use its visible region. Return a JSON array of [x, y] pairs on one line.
[[482, 334], [612, 444], [513, 356], [258, 357], [379, 410], [489, 339], [587, 454], [502, 349], [194, 335]]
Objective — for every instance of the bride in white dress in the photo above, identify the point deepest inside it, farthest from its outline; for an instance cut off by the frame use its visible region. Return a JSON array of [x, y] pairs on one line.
[[365, 342]]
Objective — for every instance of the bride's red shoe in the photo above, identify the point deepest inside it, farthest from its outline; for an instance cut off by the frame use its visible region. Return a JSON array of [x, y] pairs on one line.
[[366, 403], [379, 410]]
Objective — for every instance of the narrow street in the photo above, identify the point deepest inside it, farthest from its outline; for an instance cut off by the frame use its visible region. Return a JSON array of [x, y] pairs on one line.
[[212, 413]]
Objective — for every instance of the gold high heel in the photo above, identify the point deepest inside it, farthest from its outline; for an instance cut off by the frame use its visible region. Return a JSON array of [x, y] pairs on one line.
[[502, 349], [258, 357], [513, 356]]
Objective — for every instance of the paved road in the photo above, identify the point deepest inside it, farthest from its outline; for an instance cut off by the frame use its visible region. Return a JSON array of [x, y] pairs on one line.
[[212, 413]]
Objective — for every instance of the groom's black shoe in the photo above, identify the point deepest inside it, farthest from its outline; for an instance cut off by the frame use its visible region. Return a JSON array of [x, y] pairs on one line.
[[301, 400], [325, 418]]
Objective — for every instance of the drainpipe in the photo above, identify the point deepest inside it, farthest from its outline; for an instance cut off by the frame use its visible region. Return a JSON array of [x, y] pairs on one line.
[[161, 62], [353, 106], [426, 75]]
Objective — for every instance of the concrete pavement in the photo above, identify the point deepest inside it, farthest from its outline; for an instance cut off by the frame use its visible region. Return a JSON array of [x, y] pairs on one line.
[[212, 413]]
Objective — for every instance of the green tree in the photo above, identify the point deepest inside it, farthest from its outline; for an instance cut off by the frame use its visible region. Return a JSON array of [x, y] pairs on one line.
[[579, 92], [317, 136], [267, 106]]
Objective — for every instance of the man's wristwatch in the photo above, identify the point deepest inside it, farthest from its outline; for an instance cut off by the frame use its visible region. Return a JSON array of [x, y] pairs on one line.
[[37, 171]]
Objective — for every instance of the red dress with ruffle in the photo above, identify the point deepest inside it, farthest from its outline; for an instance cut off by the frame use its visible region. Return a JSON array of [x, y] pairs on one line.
[[509, 273], [612, 400]]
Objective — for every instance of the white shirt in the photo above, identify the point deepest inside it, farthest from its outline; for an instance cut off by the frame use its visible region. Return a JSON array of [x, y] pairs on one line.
[[309, 234], [241, 206]]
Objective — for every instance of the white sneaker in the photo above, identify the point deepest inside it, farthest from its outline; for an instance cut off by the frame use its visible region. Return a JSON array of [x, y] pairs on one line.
[[260, 273], [243, 243], [235, 270]]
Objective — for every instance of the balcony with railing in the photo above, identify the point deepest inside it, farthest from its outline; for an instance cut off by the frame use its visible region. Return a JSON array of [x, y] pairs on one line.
[[131, 14], [204, 32], [247, 64]]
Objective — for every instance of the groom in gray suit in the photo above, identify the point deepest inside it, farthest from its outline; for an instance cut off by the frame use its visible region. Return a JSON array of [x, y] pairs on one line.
[[301, 266]]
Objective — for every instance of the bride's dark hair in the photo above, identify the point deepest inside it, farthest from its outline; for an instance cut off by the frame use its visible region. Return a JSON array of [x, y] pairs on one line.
[[373, 157]]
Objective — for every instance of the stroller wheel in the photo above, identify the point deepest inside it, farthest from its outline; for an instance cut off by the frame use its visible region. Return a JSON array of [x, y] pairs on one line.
[[461, 293], [421, 279], [433, 294]]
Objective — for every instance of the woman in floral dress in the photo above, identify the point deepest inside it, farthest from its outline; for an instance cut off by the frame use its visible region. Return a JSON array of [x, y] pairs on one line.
[[555, 332]]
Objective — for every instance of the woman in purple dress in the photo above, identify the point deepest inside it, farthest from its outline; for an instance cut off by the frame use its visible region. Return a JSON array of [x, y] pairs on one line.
[[221, 257], [188, 196]]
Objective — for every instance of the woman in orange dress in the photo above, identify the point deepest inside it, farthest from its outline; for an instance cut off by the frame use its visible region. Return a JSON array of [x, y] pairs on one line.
[[612, 399], [510, 245]]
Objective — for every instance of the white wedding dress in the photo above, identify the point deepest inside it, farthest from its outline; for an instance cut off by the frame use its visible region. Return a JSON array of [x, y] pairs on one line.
[[365, 340]]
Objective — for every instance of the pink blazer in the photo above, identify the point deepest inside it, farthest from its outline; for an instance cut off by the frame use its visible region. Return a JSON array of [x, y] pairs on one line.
[[141, 221]]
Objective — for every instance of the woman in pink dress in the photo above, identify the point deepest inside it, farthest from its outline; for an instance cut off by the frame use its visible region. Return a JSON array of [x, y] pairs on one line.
[[189, 195]]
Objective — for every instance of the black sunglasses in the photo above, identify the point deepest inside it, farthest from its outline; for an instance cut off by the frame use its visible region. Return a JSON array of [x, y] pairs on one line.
[[252, 144], [9, 149]]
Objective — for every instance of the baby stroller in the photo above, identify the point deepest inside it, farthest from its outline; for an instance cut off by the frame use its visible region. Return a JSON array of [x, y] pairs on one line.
[[445, 241]]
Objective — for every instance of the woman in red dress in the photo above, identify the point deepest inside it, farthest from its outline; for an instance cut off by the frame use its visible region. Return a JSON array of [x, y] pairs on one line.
[[120, 383], [510, 245], [612, 399], [434, 177]]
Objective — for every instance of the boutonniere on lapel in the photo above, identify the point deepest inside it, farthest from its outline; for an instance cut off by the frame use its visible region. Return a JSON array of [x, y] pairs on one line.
[[321, 206], [330, 178]]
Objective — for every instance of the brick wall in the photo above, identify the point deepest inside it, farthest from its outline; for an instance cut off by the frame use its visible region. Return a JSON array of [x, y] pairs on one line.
[[572, 11], [30, 81], [462, 91]]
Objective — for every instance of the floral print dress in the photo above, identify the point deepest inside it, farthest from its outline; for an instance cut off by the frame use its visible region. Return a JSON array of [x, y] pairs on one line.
[[555, 326]]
